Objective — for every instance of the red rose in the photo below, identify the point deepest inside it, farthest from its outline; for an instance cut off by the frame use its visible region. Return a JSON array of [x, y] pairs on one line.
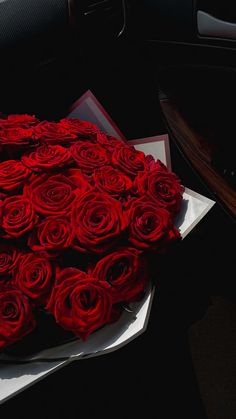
[[82, 129], [9, 257], [51, 195], [78, 179], [89, 156], [150, 226], [98, 221], [125, 271], [163, 187], [150, 161], [154, 164], [18, 216], [53, 133], [102, 139], [109, 142], [34, 277], [129, 160], [16, 316], [17, 137], [53, 234], [13, 175], [23, 121], [79, 303], [47, 157], [112, 181]]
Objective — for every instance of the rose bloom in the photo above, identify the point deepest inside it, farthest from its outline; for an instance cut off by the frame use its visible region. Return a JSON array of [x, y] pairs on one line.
[[16, 316], [150, 226], [161, 186], [81, 129], [34, 277], [98, 221], [78, 179], [89, 156], [125, 271], [52, 234], [9, 258], [53, 133], [17, 137], [13, 175], [128, 160], [79, 303], [21, 120], [52, 195], [112, 181], [109, 142], [18, 216], [47, 158]]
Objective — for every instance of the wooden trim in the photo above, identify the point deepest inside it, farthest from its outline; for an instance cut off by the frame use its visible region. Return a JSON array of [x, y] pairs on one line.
[[194, 146]]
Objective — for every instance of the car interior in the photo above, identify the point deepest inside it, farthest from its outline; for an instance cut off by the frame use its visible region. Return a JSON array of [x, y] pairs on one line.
[[157, 66]]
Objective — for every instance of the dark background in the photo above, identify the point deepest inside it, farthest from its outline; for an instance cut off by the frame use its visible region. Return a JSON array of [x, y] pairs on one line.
[[184, 365]]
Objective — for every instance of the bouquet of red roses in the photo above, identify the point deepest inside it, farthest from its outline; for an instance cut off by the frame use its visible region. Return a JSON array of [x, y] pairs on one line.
[[80, 214]]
